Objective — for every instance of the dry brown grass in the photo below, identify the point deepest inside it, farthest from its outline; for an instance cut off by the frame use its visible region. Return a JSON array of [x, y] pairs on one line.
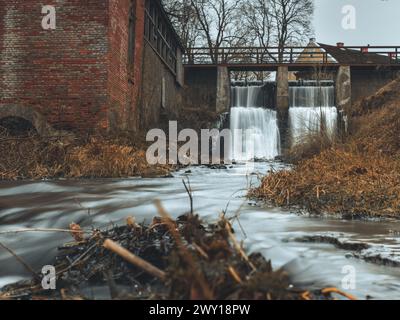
[[379, 130], [314, 140], [98, 157], [360, 177], [338, 181], [310, 145]]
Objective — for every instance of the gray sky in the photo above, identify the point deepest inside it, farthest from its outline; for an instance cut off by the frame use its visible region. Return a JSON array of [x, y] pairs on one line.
[[377, 22]]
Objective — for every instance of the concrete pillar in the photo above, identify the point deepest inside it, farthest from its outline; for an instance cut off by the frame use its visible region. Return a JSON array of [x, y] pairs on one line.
[[180, 73], [282, 103], [223, 100], [343, 88], [343, 96]]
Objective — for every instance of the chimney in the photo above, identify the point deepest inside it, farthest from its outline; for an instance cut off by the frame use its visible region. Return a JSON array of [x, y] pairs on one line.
[[313, 40], [340, 44]]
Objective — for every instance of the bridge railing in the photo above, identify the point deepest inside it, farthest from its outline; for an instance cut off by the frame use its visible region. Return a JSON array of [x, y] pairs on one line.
[[392, 53], [279, 55]]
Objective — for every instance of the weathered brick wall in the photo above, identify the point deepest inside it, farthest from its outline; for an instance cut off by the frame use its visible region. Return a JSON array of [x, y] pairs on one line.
[[76, 77], [124, 84], [59, 73]]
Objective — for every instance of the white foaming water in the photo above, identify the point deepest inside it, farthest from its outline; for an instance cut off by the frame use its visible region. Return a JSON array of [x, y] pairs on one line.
[[249, 96], [255, 132], [310, 107], [311, 96]]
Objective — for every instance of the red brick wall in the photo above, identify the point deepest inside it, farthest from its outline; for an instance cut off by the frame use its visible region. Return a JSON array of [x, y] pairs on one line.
[[60, 73], [76, 77], [124, 92]]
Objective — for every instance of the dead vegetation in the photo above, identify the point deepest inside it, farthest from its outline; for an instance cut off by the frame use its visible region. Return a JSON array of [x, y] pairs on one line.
[[355, 178], [338, 181], [168, 259], [310, 144], [33, 157]]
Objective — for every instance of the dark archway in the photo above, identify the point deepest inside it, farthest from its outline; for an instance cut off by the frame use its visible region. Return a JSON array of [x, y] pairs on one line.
[[26, 117], [16, 126]]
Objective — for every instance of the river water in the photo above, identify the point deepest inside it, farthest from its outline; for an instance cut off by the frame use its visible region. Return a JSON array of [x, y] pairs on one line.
[[271, 231]]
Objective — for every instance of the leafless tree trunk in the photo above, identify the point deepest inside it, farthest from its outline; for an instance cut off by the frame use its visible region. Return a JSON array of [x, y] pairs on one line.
[[184, 19], [217, 23], [291, 22], [278, 23]]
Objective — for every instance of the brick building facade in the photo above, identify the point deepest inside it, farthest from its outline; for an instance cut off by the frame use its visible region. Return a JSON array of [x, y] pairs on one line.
[[108, 64]]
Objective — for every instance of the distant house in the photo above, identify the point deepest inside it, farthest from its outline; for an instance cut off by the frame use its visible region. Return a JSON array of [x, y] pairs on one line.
[[314, 53], [106, 65], [364, 80], [344, 55]]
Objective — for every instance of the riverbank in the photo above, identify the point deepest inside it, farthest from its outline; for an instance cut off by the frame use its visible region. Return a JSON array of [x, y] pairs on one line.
[[36, 158], [168, 259], [355, 178]]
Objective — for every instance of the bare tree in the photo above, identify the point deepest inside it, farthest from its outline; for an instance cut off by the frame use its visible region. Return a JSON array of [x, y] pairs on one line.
[[184, 19], [241, 23], [217, 21], [291, 21], [278, 22], [257, 20]]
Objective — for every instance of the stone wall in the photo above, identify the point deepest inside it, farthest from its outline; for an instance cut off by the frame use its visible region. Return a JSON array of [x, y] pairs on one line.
[[201, 88], [282, 104], [223, 100], [161, 94], [208, 88], [366, 82]]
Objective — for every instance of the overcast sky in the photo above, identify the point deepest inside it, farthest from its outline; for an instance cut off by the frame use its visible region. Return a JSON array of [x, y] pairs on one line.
[[377, 22]]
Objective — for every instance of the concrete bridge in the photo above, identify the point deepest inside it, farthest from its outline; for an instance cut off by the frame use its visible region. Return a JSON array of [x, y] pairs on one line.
[[356, 71]]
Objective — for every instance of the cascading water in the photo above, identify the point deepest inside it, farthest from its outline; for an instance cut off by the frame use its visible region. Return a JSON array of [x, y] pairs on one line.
[[255, 132], [247, 96], [311, 109], [311, 96]]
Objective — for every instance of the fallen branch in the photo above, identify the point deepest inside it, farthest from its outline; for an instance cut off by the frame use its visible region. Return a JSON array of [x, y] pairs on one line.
[[189, 192], [44, 230], [235, 275], [135, 260], [21, 261], [327, 291], [185, 254], [238, 247]]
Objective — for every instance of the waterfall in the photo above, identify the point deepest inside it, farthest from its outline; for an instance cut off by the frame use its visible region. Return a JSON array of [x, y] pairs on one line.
[[250, 96], [255, 133], [310, 107], [310, 96]]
